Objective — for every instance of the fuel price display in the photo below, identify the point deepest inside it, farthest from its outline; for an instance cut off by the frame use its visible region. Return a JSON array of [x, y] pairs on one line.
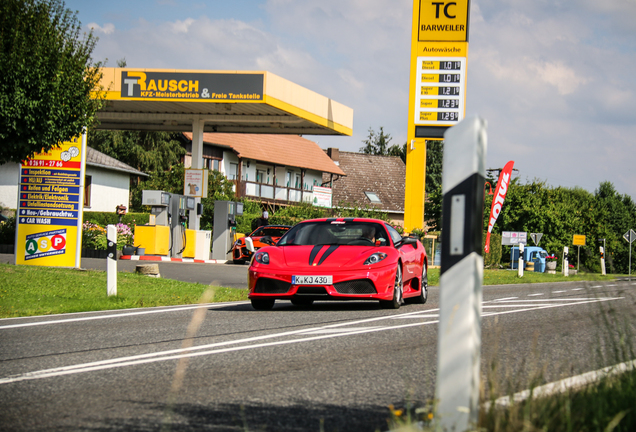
[[440, 89]]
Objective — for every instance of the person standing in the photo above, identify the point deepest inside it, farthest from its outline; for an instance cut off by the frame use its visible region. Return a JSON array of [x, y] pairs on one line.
[[261, 221]]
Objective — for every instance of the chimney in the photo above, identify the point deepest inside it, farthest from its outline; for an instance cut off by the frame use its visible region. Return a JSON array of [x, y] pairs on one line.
[[334, 154]]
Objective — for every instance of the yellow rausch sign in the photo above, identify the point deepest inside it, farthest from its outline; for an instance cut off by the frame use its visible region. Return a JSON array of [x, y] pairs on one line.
[[49, 216], [437, 96]]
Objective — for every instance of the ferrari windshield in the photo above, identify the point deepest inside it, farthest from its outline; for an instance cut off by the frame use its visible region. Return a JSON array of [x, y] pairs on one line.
[[336, 233]]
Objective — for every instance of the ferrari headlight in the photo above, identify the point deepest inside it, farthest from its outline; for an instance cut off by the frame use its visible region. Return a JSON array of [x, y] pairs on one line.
[[375, 258], [262, 257]]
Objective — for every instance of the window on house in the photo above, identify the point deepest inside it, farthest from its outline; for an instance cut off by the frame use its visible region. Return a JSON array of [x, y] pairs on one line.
[[233, 175], [88, 180], [215, 165], [373, 197], [260, 176]]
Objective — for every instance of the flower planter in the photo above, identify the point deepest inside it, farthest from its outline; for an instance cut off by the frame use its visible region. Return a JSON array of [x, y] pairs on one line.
[[551, 265]]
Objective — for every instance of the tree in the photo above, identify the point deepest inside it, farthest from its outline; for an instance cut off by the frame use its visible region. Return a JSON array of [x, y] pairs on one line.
[[376, 143], [147, 151], [434, 165], [47, 77], [398, 150]]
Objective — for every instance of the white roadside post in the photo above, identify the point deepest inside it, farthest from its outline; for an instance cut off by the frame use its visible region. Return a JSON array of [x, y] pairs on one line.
[[602, 260], [566, 265], [520, 264], [111, 260], [461, 276]]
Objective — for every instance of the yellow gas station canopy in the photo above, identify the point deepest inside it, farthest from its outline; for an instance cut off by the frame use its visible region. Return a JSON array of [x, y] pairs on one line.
[[227, 101]]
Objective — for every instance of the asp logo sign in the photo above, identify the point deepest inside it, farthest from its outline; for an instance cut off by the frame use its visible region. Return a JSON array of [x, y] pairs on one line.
[[444, 20], [45, 244]]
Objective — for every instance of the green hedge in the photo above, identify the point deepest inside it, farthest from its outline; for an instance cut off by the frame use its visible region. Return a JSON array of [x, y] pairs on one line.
[[7, 231], [493, 258], [110, 218]]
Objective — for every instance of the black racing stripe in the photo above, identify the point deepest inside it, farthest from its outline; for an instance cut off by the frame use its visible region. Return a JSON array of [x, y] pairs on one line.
[[313, 253], [328, 252], [331, 219], [349, 219]]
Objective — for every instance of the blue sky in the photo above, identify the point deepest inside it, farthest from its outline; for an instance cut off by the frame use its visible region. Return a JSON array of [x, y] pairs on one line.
[[555, 79]]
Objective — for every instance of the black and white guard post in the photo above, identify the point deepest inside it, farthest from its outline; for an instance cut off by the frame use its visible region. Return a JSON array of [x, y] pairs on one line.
[[459, 333], [602, 249], [566, 265], [520, 263], [111, 260]]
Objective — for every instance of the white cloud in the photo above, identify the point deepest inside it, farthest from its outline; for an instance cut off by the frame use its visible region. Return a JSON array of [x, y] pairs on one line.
[[564, 78], [182, 26], [106, 29]]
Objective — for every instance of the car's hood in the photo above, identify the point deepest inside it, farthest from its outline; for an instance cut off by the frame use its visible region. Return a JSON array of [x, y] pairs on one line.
[[326, 257]]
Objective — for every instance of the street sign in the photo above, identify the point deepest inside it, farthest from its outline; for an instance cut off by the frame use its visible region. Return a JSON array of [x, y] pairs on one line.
[[630, 236], [511, 238], [578, 240], [536, 238]]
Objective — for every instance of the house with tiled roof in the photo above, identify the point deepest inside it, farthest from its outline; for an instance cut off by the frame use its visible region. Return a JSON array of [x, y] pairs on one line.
[[371, 181], [106, 182], [273, 169]]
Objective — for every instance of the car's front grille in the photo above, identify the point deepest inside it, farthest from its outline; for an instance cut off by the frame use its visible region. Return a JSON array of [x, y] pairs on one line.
[[359, 286], [271, 286]]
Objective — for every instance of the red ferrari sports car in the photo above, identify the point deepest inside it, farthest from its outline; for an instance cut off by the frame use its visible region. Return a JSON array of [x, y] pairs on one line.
[[339, 259], [240, 252]]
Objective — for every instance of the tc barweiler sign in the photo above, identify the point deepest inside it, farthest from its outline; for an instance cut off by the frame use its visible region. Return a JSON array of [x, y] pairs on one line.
[[192, 86]]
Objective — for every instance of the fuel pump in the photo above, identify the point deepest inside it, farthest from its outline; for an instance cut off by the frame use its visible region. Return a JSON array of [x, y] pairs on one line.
[[169, 211], [179, 206], [225, 213]]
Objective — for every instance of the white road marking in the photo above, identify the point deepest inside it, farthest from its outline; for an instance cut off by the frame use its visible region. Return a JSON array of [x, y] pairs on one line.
[[565, 384], [577, 289], [115, 315], [340, 330], [558, 292], [536, 294], [505, 298], [247, 343]]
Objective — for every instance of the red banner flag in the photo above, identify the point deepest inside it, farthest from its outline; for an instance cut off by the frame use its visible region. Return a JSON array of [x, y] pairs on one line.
[[498, 199]]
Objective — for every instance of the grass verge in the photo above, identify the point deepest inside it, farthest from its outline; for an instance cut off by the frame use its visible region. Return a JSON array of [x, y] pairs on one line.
[[30, 291]]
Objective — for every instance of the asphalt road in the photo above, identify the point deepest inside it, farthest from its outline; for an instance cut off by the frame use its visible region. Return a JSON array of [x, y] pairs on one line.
[[335, 366]]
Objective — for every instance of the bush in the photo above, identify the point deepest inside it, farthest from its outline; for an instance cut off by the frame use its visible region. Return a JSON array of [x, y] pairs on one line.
[[110, 218], [493, 258], [94, 236], [7, 231]]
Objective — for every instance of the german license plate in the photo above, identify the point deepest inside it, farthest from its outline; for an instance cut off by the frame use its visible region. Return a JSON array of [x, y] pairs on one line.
[[312, 280]]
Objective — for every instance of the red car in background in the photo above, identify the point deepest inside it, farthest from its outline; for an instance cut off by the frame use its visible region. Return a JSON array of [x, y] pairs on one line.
[[339, 259], [240, 254]]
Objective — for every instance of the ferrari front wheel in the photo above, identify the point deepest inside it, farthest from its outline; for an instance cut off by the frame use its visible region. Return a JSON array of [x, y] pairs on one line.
[[262, 303], [423, 295], [397, 300]]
